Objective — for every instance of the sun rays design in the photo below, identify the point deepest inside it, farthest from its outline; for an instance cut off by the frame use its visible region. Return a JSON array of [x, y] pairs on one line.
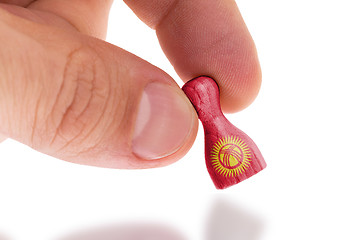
[[230, 156]]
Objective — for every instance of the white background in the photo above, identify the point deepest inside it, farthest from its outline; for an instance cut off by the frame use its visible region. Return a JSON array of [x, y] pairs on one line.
[[295, 121]]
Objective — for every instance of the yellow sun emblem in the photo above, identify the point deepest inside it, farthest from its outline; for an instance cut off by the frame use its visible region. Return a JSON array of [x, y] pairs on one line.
[[230, 156]]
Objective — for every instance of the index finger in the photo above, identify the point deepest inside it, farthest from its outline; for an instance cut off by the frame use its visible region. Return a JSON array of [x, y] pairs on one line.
[[206, 38]]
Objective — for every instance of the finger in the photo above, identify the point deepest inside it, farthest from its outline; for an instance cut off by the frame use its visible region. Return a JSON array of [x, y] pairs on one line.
[[80, 99], [87, 16], [206, 38]]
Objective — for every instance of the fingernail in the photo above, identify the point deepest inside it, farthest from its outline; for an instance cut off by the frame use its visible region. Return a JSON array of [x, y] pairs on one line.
[[165, 120]]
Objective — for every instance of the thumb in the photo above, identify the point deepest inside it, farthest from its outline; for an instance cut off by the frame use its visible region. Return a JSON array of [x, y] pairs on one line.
[[83, 100]]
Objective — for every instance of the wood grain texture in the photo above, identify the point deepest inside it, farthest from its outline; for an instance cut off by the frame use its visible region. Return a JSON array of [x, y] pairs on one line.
[[231, 155]]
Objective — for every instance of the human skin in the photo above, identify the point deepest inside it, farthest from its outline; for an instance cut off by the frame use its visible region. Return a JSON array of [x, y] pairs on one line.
[[66, 92]]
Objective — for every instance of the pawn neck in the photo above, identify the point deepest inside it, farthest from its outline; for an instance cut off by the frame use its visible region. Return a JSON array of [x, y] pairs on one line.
[[203, 92]]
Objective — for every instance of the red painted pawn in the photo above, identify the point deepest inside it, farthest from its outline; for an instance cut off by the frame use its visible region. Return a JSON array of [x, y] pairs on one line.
[[231, 155]]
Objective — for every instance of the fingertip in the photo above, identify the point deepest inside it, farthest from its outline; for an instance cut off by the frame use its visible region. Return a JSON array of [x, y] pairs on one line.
[[139, 163], [206, 38], [183, 150], [239, 91], [165, 125], [239, 78]]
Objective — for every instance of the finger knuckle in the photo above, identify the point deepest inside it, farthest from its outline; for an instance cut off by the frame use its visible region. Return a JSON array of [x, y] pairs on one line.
[[81, 100]]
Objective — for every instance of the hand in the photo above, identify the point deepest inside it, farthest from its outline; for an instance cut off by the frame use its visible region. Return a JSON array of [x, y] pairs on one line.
[[66, 93]]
